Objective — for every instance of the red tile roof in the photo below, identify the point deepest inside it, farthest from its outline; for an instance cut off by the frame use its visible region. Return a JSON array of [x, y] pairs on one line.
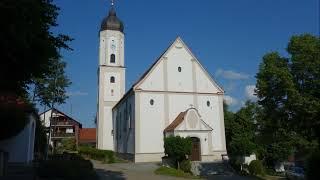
[[176, 122], [87, 134]]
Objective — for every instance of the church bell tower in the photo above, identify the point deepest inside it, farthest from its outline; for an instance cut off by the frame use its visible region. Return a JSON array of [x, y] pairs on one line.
[[111, 76]]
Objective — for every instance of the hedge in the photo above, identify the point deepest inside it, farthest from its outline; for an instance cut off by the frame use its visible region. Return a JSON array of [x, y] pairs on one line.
[[256, 168], [97, 154], [64, 168]]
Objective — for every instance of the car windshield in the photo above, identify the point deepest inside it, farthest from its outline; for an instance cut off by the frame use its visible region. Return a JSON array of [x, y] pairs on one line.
[[298, 170]]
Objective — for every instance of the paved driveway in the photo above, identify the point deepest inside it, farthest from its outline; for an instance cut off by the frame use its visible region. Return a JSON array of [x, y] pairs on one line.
[[129, 171], [139, 171]]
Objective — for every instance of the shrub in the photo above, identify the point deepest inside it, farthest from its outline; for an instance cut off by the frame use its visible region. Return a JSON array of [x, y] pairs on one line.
[[185, 166], [67, 145], [177, 147], [97, 154], [313, 168], [256, 168], [67, 169]]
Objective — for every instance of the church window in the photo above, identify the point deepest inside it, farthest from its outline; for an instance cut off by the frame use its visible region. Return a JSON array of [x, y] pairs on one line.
[[112, 79], [208, 103], [151, 102], [112, 58], [179, 69]]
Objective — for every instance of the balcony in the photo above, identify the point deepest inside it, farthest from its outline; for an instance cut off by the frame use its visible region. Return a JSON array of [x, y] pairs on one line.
[[62, 135], [61, 123]]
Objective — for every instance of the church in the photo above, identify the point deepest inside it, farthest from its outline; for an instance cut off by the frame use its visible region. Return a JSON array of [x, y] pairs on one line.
[[176, 96]]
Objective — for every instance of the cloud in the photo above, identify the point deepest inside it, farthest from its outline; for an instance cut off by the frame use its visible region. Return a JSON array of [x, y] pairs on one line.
[[249, 92], [77, 93], [230, 101], [229, 74]]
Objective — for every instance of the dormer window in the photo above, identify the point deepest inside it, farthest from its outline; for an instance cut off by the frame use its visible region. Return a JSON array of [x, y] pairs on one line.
[[112, 58], [112, 79]]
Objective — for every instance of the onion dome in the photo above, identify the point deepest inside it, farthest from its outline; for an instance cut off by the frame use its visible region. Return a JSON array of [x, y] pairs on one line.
[[112, 22]]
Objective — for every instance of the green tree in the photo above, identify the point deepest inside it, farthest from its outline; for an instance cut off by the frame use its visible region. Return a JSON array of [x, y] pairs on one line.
[[28, 45], [51, 89], [288, 91], [177, 147], [241, 131], [27, 42]]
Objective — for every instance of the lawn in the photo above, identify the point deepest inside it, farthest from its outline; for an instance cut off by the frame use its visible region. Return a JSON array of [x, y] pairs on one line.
[[174, 172]]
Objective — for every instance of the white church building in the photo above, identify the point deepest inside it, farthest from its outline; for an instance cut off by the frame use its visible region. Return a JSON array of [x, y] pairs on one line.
[[175, 96]]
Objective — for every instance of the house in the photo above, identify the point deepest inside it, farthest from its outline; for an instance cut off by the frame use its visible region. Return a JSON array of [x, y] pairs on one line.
[[175, 96], [20, 146], [88, 137], [61, 126]]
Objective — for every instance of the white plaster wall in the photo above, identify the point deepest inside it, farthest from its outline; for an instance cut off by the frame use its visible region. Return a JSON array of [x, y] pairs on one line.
[[203, 83], [151, 124], [106, 100], [178, 103], [108, 96], [179, 81], [155, 80], [214, 118], [125, 144], [21, 146], [45, 118], [106, 127], [105, 47]]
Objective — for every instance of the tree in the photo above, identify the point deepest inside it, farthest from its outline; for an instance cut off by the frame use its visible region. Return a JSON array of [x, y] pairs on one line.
[[27, 42], [288, 91], [177, 147], [241, 130], [51, 89]]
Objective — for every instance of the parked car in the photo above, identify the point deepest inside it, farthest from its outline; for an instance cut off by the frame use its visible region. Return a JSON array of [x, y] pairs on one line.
[[295, 173]]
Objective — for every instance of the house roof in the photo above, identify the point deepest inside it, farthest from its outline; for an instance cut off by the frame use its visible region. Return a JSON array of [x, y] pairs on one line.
[[87, 134], [80, 125], [180, 118], [176, 122]]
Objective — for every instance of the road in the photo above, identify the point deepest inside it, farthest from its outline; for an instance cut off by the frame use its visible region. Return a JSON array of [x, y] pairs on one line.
[[141, 171]]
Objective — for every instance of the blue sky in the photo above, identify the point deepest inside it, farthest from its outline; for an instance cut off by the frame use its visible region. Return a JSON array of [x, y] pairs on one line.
[[229, 37]]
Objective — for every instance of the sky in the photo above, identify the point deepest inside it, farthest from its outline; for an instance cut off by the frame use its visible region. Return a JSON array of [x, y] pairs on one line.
[[229, 38]]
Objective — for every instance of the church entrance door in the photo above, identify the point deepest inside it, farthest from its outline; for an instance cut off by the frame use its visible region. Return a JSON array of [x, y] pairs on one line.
[[196, 151]]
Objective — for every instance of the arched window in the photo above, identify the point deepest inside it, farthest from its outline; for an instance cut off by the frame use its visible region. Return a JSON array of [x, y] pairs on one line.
[[112, 58], [179, 69], [112, 79]]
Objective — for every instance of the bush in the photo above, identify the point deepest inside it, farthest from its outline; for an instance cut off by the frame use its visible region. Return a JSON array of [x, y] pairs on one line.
[[177, 147], [67, 169], [67, 145], [97, 154], [185, 166], [313, 168], [256, 168]]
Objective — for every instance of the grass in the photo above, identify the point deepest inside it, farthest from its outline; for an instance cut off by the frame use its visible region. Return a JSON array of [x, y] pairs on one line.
[[173, 172]]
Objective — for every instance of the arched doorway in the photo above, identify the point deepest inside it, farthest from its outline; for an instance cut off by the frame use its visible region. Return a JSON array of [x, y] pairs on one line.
[[196, 149]]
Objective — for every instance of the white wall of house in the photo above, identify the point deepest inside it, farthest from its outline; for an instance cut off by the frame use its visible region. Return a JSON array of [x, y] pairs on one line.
[[124, 125], [21, 146]]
